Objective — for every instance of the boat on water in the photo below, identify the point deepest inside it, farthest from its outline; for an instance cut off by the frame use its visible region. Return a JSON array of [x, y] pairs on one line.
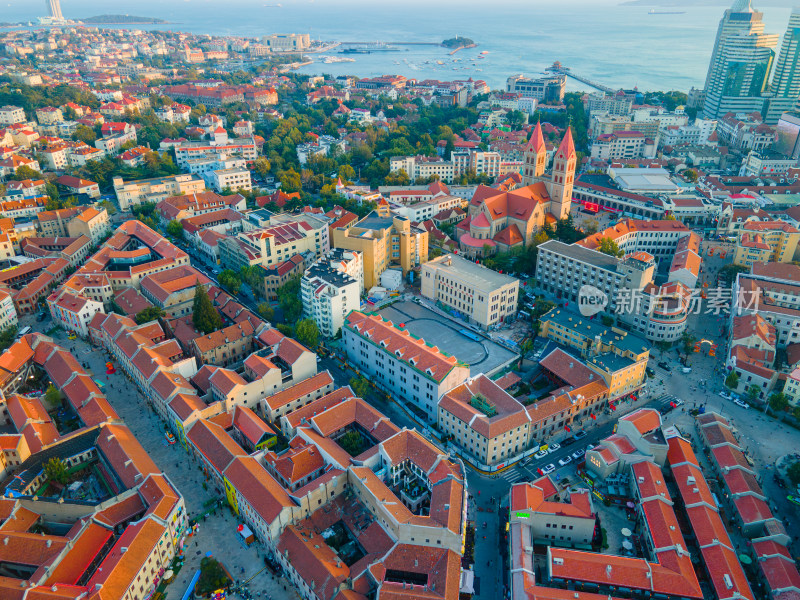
[[653, 11], [439, 62], [485, 52]]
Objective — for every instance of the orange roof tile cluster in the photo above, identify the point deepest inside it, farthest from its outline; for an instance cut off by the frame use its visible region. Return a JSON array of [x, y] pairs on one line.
[[535, 497], [718, 552], [673, 571], [352, 412], [399, 342], [223, 337], [509, 412], [299, 390], [163, 284]]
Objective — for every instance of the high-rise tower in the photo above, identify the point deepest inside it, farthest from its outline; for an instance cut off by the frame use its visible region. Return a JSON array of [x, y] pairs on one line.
[[54, 8], [740, 63], [562, 177], [785, 85], [535, 157]]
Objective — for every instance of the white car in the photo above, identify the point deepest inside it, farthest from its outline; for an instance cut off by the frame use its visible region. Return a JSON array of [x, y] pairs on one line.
[[553, 447], [741, 403], [725, 395], [547, 468], [540, 454], [565, 461], [578, 454], [677, 401]]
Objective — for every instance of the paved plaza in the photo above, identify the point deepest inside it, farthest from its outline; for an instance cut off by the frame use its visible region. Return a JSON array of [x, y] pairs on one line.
[[482, 356]]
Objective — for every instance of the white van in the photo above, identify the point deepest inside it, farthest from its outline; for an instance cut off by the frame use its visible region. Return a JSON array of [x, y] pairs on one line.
[[687, 369]]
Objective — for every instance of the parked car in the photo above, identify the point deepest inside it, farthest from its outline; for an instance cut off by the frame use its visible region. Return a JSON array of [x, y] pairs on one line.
[[794, 499], [665, 365], [779, 481], [650, 372], [549, 468], [540, 454], [568, 441], [725, 395], [579, 435], [553, 447], [741, 403], [578, 454], [565, 461]]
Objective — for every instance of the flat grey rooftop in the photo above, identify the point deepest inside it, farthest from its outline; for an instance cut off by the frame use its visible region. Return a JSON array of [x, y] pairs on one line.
[[482, 357]]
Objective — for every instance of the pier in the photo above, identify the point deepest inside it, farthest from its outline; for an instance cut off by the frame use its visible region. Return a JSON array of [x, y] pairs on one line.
[[558, 68], [373, 43]]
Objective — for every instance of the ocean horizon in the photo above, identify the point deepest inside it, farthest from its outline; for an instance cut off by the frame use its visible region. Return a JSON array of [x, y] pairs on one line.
[[615, 45]]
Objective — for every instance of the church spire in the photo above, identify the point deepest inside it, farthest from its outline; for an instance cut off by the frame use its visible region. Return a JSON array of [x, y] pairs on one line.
[[567, 147], [536, 143]]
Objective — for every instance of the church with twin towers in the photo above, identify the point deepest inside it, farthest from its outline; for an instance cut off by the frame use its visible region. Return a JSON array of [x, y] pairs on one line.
[[506, 217]]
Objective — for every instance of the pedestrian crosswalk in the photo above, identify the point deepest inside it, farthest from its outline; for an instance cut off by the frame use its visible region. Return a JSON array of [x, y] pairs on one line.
[[514, 475]]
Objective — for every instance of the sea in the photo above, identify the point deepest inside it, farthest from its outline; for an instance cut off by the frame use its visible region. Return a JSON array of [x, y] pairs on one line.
[[612, 44]]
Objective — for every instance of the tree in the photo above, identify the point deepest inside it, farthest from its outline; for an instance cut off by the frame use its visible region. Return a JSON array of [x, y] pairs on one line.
[[794, 472], [175, 229], [262, 166], [690, 175], [151, 313], [525, 348], [610, 247], [212, 576], [360, 386], [778, 402], [25, 172], [290, 181], [728, 273], [352, 443], [230, 281], [7, 337], [732, 380], [307, 333], [52, 396], [266, 311], [84, 134], [347, 173], [752, 393], [204, 316], [688, 341], [55, 470], [289, 300]]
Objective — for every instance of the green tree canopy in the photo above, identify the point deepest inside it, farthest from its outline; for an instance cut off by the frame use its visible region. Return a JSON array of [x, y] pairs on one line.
[[55, 470], [204, 316], [175, 229], [151, 313], [360, 386], [610, 247], [52, 396], [732, 380], [229, 279], [212, 576], [25, 172], [307, 333], [778, 402]]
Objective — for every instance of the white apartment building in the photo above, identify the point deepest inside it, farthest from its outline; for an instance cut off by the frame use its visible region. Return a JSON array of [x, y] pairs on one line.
[[485, 296], [487, 163], [286, 236], [112, 144], [203, 165], [562, 269], [623, 145], [422, 166], [11, 115], [8, 313], [236, 179], [413, 372], [156, 189], [766, 163], [772, 291], [56, 157], [422, 211], [330, 294], [242, 147]]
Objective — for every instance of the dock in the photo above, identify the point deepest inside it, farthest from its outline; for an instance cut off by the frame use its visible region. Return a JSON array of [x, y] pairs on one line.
[[558, 68]]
